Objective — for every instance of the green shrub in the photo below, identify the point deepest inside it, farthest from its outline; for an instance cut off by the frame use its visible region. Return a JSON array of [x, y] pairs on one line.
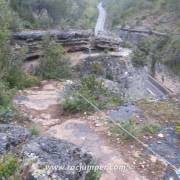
[[97, 68], [12, 76], [16, 78], [5, 94], [109, 76], [35, 131], [151, 128], [139, 58], [7, 114], [94, 92], [75, 103], [133, 128], [170, 54], [54, 64], [93, 175], [9, 167], [129, 125], [178, 128], [144, 49]]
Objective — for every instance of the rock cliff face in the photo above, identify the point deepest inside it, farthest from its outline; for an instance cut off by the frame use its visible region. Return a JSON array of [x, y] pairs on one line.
[[112, 70], [105, 66], [135, 35], [72, 41], [132, 37]]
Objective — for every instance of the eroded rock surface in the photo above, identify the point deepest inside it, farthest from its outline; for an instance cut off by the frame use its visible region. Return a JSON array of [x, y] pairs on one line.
[[11, 136], [124, 112], [51, 159], [106, 66]]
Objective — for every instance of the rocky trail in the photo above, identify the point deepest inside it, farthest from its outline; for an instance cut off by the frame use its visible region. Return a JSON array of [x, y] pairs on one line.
[[43, 106], [89, 132], [49, 132]]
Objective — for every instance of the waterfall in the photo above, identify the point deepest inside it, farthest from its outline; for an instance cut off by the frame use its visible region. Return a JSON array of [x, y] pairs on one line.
[[101, 19]]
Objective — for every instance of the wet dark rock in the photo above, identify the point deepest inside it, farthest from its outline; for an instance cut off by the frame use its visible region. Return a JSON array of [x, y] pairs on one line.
[[11, 136], [44, 153]]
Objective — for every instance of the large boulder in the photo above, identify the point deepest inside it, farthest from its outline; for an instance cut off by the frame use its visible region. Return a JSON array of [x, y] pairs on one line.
[[50, 158], [11, 136]]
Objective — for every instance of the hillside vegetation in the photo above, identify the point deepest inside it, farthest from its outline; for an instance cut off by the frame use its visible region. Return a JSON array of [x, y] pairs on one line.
[[55, 13], [16, 15], [12, 76], [162, 15], [157, 15]]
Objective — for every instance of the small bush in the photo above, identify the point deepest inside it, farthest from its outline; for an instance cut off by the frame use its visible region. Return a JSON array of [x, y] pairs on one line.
[[129, 125], [109, 76], [97, 68], [16, 78], [142, 51], [133, 128], [94, 92], [5, 94], [7, 114], [171, 55], [35, 131], [93, 175], [75, 103], [151, 128], [9, 167], [178, 128], [54, 64], [139, 58]]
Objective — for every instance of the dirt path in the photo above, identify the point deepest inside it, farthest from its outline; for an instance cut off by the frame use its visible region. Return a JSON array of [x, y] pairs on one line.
[[43, 104]]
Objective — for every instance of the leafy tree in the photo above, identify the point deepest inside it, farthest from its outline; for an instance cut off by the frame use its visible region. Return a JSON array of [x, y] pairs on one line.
[[54, 64]]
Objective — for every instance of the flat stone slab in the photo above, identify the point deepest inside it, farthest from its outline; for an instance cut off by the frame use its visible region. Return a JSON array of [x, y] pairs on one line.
[[42, 98]]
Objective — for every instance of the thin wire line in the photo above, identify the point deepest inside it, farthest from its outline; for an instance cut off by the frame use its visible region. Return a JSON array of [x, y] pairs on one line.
[[130, 134]]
